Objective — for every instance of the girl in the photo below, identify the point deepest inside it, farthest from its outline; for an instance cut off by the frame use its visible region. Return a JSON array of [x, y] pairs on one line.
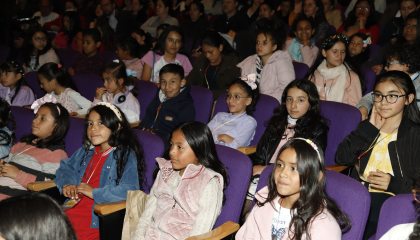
[[286, 13], [332, 15], [192, 152], [72, 36], [216, 67], [162, 16], [196, 25], [143, 40], [302, 47], [336, 79], [37, 156], [241, 98], [7, 137], [315, 9], [273, 66], [359, 48], [13, 87], [37, 50], [119, 89], [384, 148], [106, 33], [362, 20], [55, 80], [127, 50], [170, 48], [295, 204], [103, 170]]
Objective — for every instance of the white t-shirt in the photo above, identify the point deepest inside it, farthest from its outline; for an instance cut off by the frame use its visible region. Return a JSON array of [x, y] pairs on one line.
[[399, 232], [280, 222]]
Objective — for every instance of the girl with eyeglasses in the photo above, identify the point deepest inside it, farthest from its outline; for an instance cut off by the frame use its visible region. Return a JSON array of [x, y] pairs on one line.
[[383, 150], [237, 128]]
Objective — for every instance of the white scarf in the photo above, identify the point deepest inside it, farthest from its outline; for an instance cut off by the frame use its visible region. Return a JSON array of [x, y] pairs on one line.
[[291, 120], [336, 92]]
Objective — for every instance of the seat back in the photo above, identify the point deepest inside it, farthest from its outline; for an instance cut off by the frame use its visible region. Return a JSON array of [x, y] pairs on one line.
[[396, 210], [374, 48], [331, 29], [203, 103], [300, 69], [23, 118], [189, 42], [263, 112], [87, 84], [31, 78], [147, 91], [74, 137], [343, 119], [108, 55], [67, 56], [4, 53], [370, 78]]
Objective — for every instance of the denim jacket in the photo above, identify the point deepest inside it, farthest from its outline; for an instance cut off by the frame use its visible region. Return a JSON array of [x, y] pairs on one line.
[[71, 171]]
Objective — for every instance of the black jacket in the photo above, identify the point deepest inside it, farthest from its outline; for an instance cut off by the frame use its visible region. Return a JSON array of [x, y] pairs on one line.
[[404, 152], [126, 22], [266, 147], [238, 22]]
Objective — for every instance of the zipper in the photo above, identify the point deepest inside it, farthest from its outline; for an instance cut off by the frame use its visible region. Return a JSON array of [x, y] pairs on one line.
[[398, 158]]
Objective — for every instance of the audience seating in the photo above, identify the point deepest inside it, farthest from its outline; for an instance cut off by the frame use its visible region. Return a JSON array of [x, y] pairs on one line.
[[189, 42], [4, 53], [87, 84], [203, 103], [300, 69], [31, 79], [67, 56], [331, 29], [370, 78], [374, 48], [108, 55], [287, 29], [74, 137], [147, 91], [23, 118]]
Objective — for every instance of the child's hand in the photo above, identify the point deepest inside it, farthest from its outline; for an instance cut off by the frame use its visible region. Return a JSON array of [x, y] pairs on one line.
[[365, 114], [379, 180], [71, 71], [70, 191], [99, 93], [307, 42], [72, 114], [86, 190], [362, 22], [225, 138], [257, 170], [377, 120], [9, 170], [377, 69]]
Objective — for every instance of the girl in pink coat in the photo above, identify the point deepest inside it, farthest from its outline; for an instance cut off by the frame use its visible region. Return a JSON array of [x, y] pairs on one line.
[[295, 205]]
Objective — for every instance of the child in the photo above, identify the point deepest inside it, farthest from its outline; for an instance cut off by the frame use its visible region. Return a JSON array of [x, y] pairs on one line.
[[127, 49], [103, 170], [13, 88], [56, 81], [359, 48], [119, 89], [37, 156], [90, 62], [241, 98], [302, 47], [191, 207], [170, 48], [335, 78], [37, 50], [295, 204], [7, 137], [172, 105], [385, 147], [143, 40], [274, 67], [71, 37]]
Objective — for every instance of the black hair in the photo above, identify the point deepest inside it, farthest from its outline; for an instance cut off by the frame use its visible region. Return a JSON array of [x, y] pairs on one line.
[[313, 199], [405, 84], [130, 44], [300, 18], [73, 2], [118, 71], [162, 27], [107, 32], [5, 117], [75, 26], [416, 2], [320, 14], [160, 44], [199, 5], [270, 5], [52, 71], [364, 55], [327, 44], [172, 68], [167, 4], [332, 2], [352, 18], [272, 28], [253, 94], [16, 68], [94, 33], [414, 15], [213, 39], [200, 139], [28, 48], [122, 138], [141, 33], [62, 121], [34, 216], [405, 54]]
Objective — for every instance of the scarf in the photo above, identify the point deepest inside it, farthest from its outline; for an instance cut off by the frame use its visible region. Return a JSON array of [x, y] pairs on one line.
[[295, 50], [260, 67], [291, 120], [336, 92]]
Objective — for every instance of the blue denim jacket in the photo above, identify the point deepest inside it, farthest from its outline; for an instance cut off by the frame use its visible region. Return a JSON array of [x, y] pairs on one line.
[[71, 171]]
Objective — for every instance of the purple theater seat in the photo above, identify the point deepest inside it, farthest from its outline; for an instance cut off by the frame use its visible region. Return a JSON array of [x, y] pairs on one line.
[[300, 69], [67, 56], [351, 196], [370, 78], [203, 103], [263, 113], [374, 48], [189, 42], [87, 84], [147, 91], [108, 55], [343, 119], [4, 53], [23, 118], [74, 137], [31, 79], [287, 29], [331, 29]]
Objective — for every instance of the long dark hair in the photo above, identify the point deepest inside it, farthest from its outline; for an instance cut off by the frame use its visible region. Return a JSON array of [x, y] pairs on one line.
[[5, 116], [213, 39], [117, 71], [75, 26], [327, 44], [28, 48], [319, 15], [103, 25], [34, 216], [199, 137], [130, 44], [122, 138], [352, 18], [16, 68], [313, 198], [272, 28], [160, 44], [405, 84], [51, 71], [254, 94], [364, 55], [62, 119]]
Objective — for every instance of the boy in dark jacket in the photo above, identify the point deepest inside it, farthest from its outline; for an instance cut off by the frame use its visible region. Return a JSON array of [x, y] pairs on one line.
[[172, 105]]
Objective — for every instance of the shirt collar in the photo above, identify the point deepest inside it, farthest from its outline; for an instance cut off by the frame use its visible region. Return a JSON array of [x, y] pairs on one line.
[[237, 116], [414, 76]]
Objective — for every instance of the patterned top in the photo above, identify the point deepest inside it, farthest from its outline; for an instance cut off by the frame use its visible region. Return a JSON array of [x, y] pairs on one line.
[[73, 101]]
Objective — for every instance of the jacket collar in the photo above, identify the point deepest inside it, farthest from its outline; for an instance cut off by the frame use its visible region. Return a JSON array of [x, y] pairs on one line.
[[182, 94], [166, 167], [404, 127]]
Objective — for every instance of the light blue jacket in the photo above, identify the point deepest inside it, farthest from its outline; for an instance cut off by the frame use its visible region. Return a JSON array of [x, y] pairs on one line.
[[72, 169]]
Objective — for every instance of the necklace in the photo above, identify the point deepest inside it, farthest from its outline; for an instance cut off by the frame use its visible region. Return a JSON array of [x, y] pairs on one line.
[[19, 152], [91, 163], [218, 126], [215, 71]]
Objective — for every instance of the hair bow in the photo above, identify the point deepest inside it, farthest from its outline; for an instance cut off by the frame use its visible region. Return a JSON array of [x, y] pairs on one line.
[[250, 79], [367, 42], [131, 73], [59, 65], [48, 98]]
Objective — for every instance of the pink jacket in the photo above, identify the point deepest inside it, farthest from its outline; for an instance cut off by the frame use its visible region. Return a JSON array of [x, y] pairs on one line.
[[308, 54], [176, 211], [276, 74], [258, 224]]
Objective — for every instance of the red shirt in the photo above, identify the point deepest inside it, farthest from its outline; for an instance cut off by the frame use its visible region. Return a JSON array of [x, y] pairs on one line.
[[372, 32]]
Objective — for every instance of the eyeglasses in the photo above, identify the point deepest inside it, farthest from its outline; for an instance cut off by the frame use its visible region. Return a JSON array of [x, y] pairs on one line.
[[363, 8], [391, 98], [235, 98], [415, 191], [392, 63], [41, 39]]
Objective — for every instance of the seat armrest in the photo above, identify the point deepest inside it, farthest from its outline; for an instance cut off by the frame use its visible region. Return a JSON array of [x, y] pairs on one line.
[[39, 186], [135, 124], [247, 150], [219, 233], [336, 167], [107, 208]]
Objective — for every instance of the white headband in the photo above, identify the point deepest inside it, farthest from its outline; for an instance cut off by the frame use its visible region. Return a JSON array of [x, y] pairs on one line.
[[113, 108]]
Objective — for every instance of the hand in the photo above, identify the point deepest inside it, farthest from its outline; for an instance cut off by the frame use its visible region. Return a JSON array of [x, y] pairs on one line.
[[19, 42], [232, 34], [70, 191], [55, 28], [257, 170], [225, 138], [9, 170], [378, 69], [362, 22], [377, 120], [365, 114], [99, 93], [71, 71], [379, 180], [86, 190], [307, 43]]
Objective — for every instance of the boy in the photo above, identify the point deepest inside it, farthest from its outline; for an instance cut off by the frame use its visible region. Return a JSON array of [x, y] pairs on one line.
[[90, 62], [172, 105]]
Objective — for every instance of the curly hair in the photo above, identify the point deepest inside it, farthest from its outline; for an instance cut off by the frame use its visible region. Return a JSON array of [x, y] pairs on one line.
[[253, 94], [406, 54]]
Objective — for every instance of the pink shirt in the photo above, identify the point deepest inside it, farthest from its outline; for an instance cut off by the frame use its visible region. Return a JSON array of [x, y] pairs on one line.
[[289, 135], [308, 53], [61, 41], [135, 66]]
